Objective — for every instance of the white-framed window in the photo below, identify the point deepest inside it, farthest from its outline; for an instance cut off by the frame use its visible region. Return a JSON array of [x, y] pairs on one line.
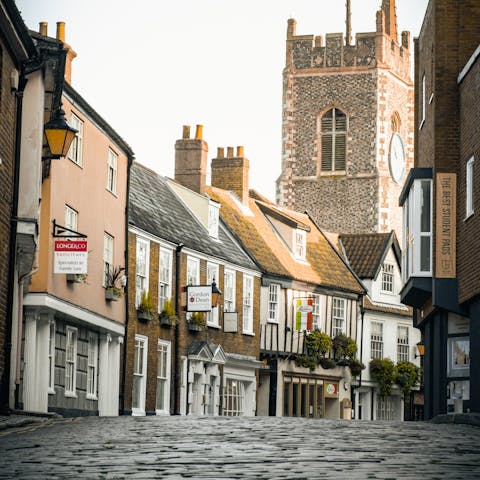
[[165, 277], [376, 340], [71, 218], [107, 257], [212, 276], [403, 346], [162, 402], [299, 244], [385, 408], [417, 230], [51, 357], [334, 141], [247, 304], [92, 366], [141, 268], [469, 188], [76, 147], [139, 375], [234, 398], [229, 280], [422, 101], [387, 277], [213, 211], [112, 162], [316, 319], [338, 316], [71, 362], [273, 302], [193, 271]]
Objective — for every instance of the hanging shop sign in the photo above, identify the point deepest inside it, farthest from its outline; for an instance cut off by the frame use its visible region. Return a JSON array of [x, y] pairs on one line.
[[303, 314], [331, 390], [199, 298], [70, 256]]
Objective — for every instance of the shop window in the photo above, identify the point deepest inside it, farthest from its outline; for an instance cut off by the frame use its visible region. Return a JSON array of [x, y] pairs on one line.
[[234, 398]]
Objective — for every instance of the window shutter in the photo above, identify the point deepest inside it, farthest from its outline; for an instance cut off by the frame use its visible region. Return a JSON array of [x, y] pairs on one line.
[[340, 121], [340, 148], [327, 145]]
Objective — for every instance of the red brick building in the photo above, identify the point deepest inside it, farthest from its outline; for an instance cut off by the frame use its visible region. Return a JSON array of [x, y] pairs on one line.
[[440, 199]]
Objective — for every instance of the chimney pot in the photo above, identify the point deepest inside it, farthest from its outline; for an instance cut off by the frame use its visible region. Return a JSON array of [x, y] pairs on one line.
[[43, 29], [229, 152], [61, 31], [220, 152], [240, 151], [199, 132], [186, 132]]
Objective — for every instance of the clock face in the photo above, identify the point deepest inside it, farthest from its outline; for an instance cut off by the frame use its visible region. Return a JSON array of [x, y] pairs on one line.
[[397, 158]]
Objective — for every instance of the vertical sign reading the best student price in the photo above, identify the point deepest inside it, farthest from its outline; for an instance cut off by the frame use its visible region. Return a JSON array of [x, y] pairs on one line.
[[70, 256]]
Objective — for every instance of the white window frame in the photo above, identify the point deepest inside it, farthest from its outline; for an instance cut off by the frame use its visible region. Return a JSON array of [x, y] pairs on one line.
[[213, 271], [112, 167], [51, 357], [273, 302], [376, 340], [388, 278], [141, 275], [163, 360], [422, 102], [469, 188], [299, 244], [75, 152], [339, 315], [71, 218], [234, 398], [108, 246], [403, 347], [164, 277], [412, 231], [247, 303], [229, 290], [92, 366], [213, 219], [141, 374], [316, 316], [193, 271], [71, 362]]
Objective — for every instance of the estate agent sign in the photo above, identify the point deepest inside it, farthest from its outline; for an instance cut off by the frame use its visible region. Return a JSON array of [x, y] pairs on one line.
[[70, 256]]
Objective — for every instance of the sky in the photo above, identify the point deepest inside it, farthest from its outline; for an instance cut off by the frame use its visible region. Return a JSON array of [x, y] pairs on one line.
[[148, 67]]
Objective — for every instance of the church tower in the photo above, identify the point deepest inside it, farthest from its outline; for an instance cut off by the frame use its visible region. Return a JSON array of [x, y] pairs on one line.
[[347, 126]]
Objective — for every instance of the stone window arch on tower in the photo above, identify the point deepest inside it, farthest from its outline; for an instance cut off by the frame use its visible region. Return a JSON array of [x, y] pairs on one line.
[[333, 126], [396, 122]]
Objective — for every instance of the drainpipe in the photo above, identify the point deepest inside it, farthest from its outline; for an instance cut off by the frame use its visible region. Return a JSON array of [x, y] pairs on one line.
[[124, 363], [176, 377], [5, 381]]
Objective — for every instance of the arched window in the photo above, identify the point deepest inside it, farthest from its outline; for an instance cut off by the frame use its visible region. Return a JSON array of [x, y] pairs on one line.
[[334, 140], [396, 122]]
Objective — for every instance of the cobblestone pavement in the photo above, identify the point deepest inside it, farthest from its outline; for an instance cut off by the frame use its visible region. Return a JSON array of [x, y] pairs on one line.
[[233, 448]]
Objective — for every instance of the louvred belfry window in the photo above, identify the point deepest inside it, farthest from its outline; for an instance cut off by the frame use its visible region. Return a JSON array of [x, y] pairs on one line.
[[334, 141]]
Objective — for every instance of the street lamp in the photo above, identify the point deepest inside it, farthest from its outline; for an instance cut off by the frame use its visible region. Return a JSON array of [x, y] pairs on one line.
[[59, 134], [420, 349], [215, 294]]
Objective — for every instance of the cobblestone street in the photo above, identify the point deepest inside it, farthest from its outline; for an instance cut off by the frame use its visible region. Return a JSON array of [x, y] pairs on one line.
[[255, 448]]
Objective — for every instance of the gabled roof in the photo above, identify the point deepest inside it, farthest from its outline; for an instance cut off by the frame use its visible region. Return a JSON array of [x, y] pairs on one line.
[[366, 252], [156, 209], [324, 266]]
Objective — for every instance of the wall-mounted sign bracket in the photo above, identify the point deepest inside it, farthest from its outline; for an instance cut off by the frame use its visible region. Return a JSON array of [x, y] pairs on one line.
[[60, 231]]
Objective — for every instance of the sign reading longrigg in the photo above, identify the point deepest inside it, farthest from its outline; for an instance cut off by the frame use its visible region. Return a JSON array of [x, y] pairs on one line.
[[70, 256]]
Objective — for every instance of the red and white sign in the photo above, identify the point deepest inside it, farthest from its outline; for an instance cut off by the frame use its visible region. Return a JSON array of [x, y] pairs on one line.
[[199, 298], [70, 256]]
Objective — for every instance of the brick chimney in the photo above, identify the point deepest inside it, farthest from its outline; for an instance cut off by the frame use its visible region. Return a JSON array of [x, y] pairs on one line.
[[191, 160], [231, 172]]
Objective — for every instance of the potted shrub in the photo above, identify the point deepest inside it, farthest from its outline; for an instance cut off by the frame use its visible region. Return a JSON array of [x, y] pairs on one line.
[[197, 322], [113, 289], [76, 277], [344, 349], [145, 309], [383, 373], [356, 367], [407, 376], [168, 316]]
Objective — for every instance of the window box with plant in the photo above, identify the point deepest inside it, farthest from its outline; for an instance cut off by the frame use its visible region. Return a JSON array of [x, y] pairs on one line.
[[317, 345], [167, 316], [113, 288], [145, 310], [76, 277], [197, 322]]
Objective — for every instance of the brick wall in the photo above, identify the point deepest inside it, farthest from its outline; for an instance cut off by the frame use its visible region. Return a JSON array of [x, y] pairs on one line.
[[7, 154], [468, 260]]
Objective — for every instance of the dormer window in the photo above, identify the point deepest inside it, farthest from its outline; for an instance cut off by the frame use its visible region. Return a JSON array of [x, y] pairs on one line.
[[387, 278], [213, 210], [299, 244]]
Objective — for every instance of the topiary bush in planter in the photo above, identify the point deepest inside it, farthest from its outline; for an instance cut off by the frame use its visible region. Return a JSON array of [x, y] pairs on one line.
[[407, 375], [383, 372]]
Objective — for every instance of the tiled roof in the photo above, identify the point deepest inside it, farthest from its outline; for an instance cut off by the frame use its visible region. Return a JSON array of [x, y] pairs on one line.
[[323, 267], [155, 208], [365, 251], [399, 310]]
